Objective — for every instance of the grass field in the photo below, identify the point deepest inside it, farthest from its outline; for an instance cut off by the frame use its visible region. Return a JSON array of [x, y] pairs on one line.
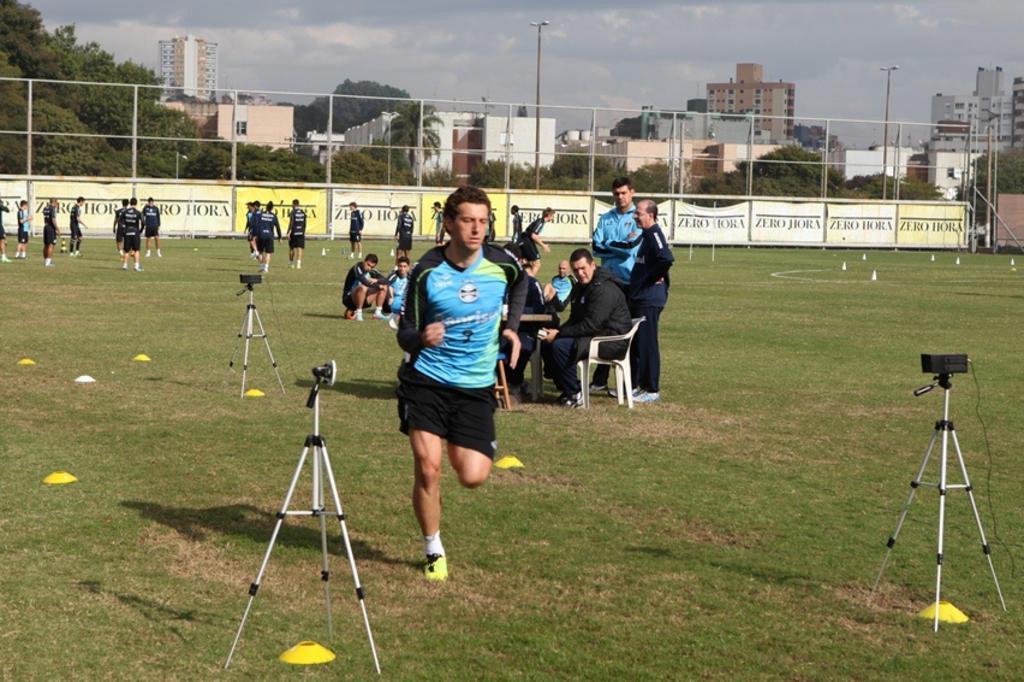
[[731, 531]]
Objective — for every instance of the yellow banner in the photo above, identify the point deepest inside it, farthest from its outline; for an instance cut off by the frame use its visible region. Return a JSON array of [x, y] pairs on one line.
[[11, 194], [312, 201], [931, 225], [190, 208], [572, 214], [431, 217], [380, 212], [101, 203]]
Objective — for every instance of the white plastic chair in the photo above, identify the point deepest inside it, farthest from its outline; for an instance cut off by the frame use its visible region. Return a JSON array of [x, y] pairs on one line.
[[623, 377]]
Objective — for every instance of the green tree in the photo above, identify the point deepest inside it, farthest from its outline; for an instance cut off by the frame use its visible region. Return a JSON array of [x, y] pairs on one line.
[[263, 163], [441, 177], [210, 161], [24, 42], [870, 187], [404, 130], [491, 174], [652, 178], [348, 111], [1009, 176], [789, 171], [358, 168], [65, 155]]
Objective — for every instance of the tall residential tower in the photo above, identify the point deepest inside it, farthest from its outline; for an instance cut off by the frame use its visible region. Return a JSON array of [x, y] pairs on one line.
[[190, 63]]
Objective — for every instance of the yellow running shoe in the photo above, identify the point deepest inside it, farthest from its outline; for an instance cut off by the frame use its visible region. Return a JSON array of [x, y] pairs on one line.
[[436, 568]]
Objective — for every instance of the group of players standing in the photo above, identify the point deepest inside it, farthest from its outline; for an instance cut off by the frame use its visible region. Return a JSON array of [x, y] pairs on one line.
[[262, 226], [129, 224]]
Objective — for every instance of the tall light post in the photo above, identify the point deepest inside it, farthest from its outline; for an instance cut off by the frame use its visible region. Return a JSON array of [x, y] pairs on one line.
[[178, 155], [885, 134], [536, 137]]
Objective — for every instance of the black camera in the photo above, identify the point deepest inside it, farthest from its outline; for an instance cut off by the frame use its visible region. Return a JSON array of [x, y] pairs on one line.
[[250, 279], [943, 364], [326, 372]]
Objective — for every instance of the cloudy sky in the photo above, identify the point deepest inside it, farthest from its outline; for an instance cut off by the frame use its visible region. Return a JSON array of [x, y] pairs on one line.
[[596, 53]]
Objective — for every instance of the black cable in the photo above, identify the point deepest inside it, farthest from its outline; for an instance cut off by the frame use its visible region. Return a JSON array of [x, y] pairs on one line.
[[988, 476]]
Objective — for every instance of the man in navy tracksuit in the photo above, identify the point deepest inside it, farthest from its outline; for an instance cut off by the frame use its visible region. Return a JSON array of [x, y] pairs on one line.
[[648, 293]]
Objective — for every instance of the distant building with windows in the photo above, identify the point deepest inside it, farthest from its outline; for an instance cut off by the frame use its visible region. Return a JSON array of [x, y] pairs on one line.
[[255, 122], [188, 65], [749, 93], [989, 107]]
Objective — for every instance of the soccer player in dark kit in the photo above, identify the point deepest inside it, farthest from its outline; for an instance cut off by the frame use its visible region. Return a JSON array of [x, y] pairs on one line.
[[151, 216], [355, 231], [296, 235], [403, 233], [266, 226], [251, 219], [3, 235], [131, 226], [76, 225], [450, 328], [24, 230], [50, 232], [119, 227]]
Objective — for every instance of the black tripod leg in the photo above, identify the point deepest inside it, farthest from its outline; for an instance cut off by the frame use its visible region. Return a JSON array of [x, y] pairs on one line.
[[906, 508], [348, 550], [255, 586]]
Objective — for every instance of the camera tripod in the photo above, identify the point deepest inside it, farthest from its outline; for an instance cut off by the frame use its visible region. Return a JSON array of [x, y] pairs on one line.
[[247, 332], [321, 465], [945, 428]]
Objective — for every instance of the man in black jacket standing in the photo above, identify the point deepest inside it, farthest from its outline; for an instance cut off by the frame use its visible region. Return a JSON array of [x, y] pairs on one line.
[[598, 309], [648, 293]]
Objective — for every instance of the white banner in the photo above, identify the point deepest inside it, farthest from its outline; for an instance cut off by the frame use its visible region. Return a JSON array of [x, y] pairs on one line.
[[189, 208], [861, 225], [380, 212], [702, 225], [787, 223], [11, 194]]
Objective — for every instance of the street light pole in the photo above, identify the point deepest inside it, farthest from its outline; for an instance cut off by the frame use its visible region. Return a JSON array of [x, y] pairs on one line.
[[178, 155], [885, 134], [536, 137]]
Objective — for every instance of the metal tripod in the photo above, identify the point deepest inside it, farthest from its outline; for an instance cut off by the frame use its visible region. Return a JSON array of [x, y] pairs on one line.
[[321, 469], [247, 332], [945, 428]]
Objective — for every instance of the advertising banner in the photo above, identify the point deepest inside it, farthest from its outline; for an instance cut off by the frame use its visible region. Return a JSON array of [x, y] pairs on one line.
[[860, 225], [312, 201], [702, 225], [101, 203], [787, 223], [380, 212], [934, 225], [190, 208], [11, 194], [572, 214]]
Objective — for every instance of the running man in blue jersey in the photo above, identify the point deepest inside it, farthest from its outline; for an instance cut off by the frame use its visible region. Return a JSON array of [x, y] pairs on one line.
[[451, 325]]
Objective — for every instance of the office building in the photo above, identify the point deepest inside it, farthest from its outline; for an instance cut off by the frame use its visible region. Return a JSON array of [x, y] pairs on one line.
[[989, 107], [188, 66], [773, 105]]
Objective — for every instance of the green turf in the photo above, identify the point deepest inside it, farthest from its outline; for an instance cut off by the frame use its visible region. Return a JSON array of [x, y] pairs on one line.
[[732, 531]]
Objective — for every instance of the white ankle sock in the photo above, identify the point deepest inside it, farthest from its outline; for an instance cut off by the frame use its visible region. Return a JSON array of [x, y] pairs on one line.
[[432, 544]]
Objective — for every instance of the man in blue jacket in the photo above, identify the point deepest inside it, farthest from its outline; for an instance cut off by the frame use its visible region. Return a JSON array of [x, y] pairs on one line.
[[648, 293], [615, 244]]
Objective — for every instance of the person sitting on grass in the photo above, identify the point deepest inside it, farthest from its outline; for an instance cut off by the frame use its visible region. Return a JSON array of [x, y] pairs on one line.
[[397, 282], [365, 287]]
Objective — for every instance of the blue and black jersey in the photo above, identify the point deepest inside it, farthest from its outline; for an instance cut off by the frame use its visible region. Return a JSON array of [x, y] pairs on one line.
[[266, 224], [398, 285], [404, 226], [151, 215], [469, 302], [360, 274], [517, 226], [297, 223], [23, 221], [649, 281], [355, 221], [131, 221], [563, 290], [75, 212], [49, 217], [613, 244]]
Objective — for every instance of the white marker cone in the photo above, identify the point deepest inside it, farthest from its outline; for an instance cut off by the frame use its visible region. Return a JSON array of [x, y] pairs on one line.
[[863, 256], [874, 276], [323, 252], [958, 260], [85, 379], [844, 266], [1012, 262], [933, 257]]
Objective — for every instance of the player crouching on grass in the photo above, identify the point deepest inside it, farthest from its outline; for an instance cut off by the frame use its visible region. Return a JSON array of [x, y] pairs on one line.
[[450, 328], [365, 286]]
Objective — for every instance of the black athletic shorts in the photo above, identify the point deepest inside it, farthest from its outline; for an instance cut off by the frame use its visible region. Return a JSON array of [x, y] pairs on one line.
[[265, 245], [23, 236], [350, 303], [152, 231], [76, 233], [3, 235], [49, 235], [355, 236], [462, 416], [405, 244], [297, 242], [528, 250], [119, 235], [131, 243]]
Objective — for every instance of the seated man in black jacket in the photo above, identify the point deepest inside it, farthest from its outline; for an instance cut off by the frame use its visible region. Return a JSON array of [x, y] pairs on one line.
[[598, 309]]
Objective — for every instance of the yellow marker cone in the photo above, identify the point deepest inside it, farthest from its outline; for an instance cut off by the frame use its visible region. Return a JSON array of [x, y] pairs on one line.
[[59, 478], [307, 653], [25, 362], [509, 462], [142, 357], [254, 393], [947, 613]]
